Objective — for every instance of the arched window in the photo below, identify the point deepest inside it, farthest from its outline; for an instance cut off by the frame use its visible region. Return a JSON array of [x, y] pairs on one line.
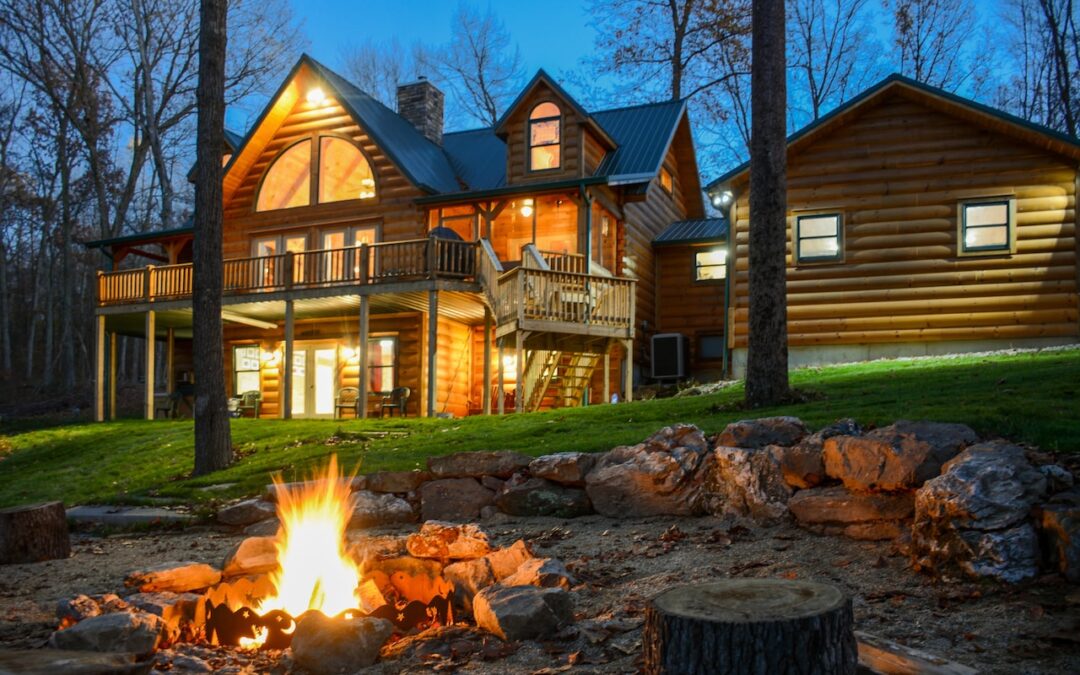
[[288, 180], [545, 149], [344, 172]]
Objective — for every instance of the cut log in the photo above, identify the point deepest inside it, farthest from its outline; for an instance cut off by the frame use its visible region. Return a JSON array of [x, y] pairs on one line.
[[34, 533], [884, 657], [741, 626]]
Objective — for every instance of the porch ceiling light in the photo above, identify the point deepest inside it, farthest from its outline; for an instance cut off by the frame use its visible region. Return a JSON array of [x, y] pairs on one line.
[[315, 96], [527, 207]]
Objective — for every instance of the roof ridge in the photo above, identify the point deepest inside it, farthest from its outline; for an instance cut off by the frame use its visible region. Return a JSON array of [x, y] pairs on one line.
[[670, 101]]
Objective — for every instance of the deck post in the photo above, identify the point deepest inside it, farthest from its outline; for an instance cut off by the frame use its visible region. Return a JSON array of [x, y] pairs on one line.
[[151, 334], [628, 371], [99, 370], [502, 378], [487, 361], [432, 340], [519, 381], [607, 371], [170, 359], [362, 350], [113, 370], [286, 372]]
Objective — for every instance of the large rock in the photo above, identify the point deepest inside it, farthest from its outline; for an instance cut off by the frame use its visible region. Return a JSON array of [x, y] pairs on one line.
[[974, 516], [327, 646], [761, 432], [836, 510], [254, 555], [540, 497], [477, 464], [396, 481], [373, 509], [247, 512], [505, 561], [73, 610], [175, 609], [566, 468], [661, 476], [133, 632], [459, 499], [746, 482], [522, 612], [803, 464], [469, 577], [897, 457], [1059, 523], [175, 577], [541, 572], [447, 541]]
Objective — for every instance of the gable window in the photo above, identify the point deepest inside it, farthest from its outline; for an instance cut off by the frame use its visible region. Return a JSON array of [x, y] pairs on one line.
[[666, 181], [288, 180], [545, 137], [710, 265], [817, 238], [245, 368], [344, 174], [986, 226]]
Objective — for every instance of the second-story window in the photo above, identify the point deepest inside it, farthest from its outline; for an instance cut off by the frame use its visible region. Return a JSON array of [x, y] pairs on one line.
[[288, 180], [344, 174], [545, 137], [666, 181]]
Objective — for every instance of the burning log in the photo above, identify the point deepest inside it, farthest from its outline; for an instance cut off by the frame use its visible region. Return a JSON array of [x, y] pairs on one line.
[[34, 533], [750, 626]]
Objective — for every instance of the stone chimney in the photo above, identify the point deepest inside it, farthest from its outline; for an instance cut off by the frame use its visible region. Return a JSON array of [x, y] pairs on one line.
[[421, 104]]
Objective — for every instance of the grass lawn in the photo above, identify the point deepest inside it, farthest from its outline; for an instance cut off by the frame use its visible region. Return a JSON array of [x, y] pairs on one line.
[[1032, 397]]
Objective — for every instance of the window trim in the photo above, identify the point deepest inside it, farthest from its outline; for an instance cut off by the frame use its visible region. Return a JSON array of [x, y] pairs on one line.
[[963, 250], [315, 173], [528, 138], [722, 336], [258, 371], [797, 238], [695, 266], [394, 365]]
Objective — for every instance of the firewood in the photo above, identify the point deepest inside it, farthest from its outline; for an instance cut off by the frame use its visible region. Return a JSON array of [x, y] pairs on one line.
[[878, 655]]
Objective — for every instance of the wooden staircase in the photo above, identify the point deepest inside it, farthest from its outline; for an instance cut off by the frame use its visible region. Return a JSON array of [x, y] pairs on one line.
[[555, 379]]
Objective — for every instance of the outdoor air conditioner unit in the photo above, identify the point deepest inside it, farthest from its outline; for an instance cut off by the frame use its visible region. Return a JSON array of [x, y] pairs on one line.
[[670, 352]]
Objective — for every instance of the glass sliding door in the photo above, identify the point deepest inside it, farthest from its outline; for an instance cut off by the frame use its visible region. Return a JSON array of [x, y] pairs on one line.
[[315, 376], [299, 382]]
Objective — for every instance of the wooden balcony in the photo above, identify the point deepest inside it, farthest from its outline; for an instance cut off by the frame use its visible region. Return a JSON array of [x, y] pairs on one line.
[[382, 263], [564, 302]]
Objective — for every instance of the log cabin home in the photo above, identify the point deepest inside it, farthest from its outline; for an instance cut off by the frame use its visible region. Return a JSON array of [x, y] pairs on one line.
[[919, 222], [507, 268]]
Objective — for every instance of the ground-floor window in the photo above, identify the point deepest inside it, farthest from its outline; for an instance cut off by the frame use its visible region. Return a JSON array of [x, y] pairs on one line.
[[245, 368], [382, 364], [710, 347], [710, 265]]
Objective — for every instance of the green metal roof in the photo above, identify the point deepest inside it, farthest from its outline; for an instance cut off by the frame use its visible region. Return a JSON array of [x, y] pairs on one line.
[[142, 237], [699, 231]]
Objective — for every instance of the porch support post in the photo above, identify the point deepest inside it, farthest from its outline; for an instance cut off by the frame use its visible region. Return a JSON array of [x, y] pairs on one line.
[[362, 349], [170, 359], [502, 378], [113, 370], [432, 355], [287, 361], [486, 393], [99, 370], [607, 371], [519, 395], [151, 332], [628, 371]]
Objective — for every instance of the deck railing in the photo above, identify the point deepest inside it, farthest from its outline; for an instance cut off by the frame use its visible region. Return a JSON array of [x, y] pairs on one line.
[[384, 262], [526, 294]]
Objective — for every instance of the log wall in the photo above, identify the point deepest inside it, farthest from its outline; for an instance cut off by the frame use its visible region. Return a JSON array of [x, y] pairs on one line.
[[517, 144], [453, 392], [683, 305]]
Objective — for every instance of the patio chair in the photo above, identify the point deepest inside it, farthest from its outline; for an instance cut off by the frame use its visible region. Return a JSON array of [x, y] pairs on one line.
[[348, 398], [249, 400], [397, 399], [170, 405]]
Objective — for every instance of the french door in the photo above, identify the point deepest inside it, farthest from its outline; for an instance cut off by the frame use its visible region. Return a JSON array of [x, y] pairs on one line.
[[314, 380]]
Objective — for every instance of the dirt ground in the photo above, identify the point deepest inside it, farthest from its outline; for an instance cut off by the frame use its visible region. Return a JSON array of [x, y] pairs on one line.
[[1032, 628]]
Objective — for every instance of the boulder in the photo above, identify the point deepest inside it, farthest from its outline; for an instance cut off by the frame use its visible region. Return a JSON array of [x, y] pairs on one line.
[[174, 609], [133, 632], [761, 432], [246, 512], [1058, 478], [266, 528], [453, 499], [522, 612], [541, 497], [175, 577], [505, 561], [253, 555], [1059, 524], [897, 457], [396, 481], [974, 516], [447, 541], [803, 464], [43, 661], [469, 577], [374, 509], [327, 646], [541, 572], [476, 464], [746, 482], [661, 476], [838, 511], [566, 468], [362, 546], [73, 610]]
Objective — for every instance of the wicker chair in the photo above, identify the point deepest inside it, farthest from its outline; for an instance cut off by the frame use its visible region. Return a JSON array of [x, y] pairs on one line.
[[348, 398]]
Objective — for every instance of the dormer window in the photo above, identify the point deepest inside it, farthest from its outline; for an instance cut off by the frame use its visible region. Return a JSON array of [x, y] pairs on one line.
[[344, 173], [545, 149]]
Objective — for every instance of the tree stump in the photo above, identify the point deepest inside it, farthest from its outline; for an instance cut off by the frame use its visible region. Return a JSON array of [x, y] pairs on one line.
[[34, 533], [750, 626]]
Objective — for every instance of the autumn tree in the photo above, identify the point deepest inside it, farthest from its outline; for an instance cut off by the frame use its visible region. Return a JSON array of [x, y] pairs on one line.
[[767, 355]]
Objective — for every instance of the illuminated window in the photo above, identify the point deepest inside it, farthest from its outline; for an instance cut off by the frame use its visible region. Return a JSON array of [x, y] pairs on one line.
[[545, 122], [710, 265], [288, 180], [382, 355], [666, 180], [984, 226], [246, 368], [817, 238], [344, 172]]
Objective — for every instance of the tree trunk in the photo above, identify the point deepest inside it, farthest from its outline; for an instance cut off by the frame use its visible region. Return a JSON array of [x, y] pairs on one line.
[[31, 534], [750, 626], [767, 357], [213, 443], [5, 313]]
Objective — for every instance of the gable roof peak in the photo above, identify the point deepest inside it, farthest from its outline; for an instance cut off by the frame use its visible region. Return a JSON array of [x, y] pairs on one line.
[[542, 76]]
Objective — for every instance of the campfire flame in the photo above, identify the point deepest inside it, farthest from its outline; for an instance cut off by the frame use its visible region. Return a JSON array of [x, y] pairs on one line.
[[314, 571]]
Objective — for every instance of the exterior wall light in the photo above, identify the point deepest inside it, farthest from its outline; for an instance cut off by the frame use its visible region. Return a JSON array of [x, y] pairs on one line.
[[315, 96], [527, 207]]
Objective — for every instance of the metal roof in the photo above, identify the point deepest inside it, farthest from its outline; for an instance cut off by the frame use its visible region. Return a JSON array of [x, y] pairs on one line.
[[643, 134], [478, 156], [233, 140], [141, 237], [700, 231]]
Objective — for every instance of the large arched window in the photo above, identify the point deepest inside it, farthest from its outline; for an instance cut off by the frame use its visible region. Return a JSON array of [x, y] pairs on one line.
[[288, 180], [545, 122], [344, 172]]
